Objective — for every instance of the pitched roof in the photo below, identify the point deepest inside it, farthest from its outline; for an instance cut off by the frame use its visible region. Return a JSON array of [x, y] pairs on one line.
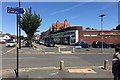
[[6, 34]]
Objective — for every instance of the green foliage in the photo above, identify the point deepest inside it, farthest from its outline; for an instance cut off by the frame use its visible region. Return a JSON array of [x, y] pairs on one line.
[[21, 37], [118, 27], [29, 23], [88, 28]]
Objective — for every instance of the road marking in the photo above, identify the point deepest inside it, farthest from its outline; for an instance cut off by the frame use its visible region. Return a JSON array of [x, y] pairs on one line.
[[83, 69], [66, 52], [38, 68], [8, 71], [9, 50], [34, 68], [87, 70], [54, 73], [51, 53]]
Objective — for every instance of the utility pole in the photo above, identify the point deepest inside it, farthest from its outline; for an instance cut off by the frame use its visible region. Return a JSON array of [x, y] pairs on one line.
[[101, 16]]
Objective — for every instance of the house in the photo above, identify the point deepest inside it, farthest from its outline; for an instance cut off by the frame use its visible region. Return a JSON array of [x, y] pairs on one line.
[[6, 36], [1, 38], [37, 37]]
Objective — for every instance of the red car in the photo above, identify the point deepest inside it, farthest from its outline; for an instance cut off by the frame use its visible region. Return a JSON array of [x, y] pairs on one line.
[[2, 42]]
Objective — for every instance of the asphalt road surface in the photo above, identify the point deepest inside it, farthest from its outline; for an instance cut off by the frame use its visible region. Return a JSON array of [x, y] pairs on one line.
[[37, 60], [29, 59]]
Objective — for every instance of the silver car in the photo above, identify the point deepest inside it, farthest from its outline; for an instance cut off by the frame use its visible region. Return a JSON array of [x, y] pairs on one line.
[[10, 44]]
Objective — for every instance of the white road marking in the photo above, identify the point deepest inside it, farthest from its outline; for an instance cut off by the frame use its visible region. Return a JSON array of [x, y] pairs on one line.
[[54, 73], [8, 71], [9, 50]]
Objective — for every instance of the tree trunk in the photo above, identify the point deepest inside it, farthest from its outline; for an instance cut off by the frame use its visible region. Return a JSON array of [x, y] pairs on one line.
[[29, 41]]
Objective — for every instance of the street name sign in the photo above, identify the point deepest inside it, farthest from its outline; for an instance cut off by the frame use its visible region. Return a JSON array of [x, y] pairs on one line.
[[16, 10]]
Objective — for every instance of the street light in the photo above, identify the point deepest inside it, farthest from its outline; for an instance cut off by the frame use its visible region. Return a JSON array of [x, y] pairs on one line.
[[101, 16]]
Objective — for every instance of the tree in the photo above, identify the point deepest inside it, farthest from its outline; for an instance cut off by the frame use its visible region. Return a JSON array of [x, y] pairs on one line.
[[118, 27], [88, 28], [29, 23], [21, 37]]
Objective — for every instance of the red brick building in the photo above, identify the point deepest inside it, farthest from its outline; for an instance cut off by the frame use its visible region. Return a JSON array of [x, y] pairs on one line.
[[58, 25], [63, 33], [108, 36]]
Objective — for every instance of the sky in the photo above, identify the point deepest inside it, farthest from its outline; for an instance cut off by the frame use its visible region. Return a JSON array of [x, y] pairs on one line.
[[84, 14]]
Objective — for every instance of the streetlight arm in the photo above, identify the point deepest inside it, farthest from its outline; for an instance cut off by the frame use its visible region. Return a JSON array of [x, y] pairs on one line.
[[102, 15]]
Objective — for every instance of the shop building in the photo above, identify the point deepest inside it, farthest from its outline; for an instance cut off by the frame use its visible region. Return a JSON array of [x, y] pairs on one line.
[[66, 34]]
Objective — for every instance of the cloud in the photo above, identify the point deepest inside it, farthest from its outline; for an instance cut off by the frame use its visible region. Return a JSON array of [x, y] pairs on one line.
[[68, 9]]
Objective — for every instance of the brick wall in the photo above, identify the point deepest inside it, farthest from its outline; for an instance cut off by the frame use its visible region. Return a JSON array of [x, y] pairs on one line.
[[109, 36]]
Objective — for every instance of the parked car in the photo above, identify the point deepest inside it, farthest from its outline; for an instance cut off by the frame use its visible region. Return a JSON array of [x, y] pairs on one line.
[[37, 42], [49, 43], [97, 44], [81, 44], [115, 45], [41, 42], [2, 42], [10, 44]]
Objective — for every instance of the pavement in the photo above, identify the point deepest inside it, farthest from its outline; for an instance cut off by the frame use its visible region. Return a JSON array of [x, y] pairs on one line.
[[54, 72]]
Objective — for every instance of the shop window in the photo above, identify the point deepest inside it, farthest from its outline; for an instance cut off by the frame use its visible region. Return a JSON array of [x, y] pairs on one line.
[[94, 35], [86, 35]]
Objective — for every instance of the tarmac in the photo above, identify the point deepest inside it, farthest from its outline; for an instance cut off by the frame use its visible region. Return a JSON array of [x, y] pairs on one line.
[[90, 72], [54, 73]]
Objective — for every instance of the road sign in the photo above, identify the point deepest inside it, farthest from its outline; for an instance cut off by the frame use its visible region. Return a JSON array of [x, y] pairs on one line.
[[16, 10]]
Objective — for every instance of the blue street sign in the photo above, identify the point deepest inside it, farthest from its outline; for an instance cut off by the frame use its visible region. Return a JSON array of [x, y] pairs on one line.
[[16, 10]]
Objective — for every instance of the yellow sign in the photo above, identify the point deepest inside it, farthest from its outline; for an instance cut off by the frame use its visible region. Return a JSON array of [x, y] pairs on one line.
[[17, 45]]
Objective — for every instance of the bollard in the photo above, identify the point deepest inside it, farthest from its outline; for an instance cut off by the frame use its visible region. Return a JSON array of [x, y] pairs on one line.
[[105, 64], [58, 49], [61, 65], [73, 50]]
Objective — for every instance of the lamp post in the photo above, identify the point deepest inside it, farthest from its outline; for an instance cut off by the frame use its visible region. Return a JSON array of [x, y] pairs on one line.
[[105, 39], [101, 16]]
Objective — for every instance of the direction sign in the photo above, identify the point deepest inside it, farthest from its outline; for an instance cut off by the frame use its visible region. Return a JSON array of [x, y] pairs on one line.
[[16, 10]]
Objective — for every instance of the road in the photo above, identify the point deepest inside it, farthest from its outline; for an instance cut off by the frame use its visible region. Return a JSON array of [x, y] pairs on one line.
[[36, 58]]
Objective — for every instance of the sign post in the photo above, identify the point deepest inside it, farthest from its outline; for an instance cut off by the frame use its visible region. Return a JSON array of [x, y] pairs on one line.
[[16, 10]]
